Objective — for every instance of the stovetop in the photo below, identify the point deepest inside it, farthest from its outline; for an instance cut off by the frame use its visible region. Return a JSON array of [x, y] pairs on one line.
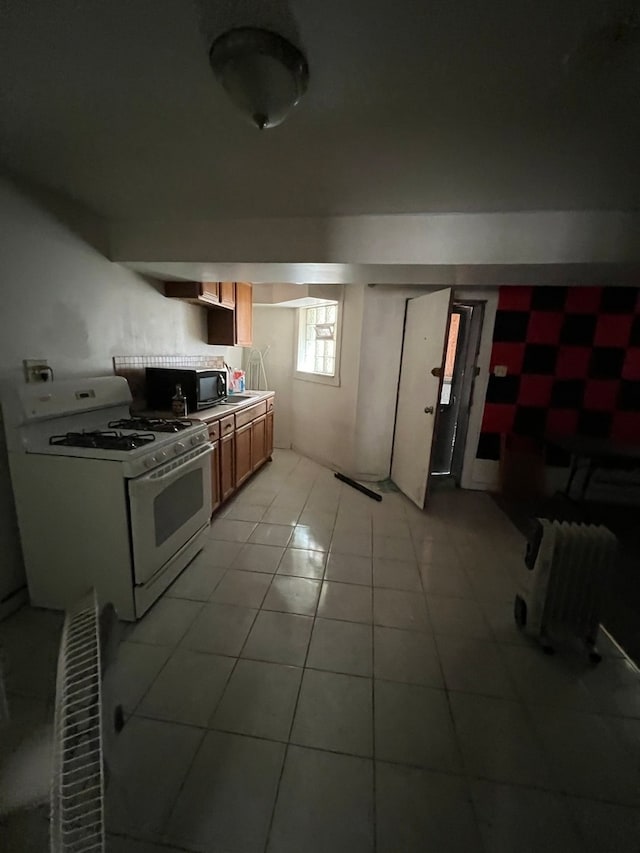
[[152, 424], [87, 421], [136, 444], [103, 439]]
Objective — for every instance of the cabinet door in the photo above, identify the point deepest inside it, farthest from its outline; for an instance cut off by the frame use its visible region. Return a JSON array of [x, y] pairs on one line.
[[221, 327], [243, 454], [269, 441], [227, 291], [216, 497], [200, 293], [227, 466], [258, 442], [244, 314], [211, 291]]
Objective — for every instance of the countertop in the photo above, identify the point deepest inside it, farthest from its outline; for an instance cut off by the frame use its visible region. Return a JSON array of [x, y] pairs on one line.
[[217, 412]]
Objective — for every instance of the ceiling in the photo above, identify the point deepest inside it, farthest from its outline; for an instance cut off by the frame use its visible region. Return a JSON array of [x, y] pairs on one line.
[[413, 106]]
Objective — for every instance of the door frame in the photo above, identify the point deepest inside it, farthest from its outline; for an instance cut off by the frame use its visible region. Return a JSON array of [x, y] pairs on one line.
[[479, 474], [447, 410], [473, 340]]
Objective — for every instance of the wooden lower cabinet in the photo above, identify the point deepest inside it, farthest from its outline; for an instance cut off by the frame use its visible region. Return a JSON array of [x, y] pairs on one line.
[[243, 453], [227, 466], [242, 443], [258, 442], [216, 495], [269, 438]]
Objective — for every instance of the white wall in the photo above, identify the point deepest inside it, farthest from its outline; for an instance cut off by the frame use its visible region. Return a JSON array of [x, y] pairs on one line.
[[324, 416], [383, 327], [274, 328], [315, 419], [351, 427], [62, 300], [381, 348], [539, 237]]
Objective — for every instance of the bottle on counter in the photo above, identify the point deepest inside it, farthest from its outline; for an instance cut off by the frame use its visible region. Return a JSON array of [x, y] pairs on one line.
[[179, 403]]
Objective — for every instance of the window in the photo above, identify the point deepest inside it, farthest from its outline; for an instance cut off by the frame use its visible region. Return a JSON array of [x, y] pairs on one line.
[[319, 343]]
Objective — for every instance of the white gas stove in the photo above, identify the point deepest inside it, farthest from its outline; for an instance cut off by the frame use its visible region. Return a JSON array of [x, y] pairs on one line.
[[104, 499]]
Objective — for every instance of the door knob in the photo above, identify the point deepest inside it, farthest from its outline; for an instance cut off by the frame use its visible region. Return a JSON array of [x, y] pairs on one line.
[[428, 410]]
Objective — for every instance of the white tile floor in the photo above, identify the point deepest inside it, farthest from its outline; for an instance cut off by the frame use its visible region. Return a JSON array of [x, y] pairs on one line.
[[334, 674]]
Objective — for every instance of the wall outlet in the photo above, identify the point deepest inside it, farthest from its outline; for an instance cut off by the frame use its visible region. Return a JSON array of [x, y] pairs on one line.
[[37, 370], [500, 370]]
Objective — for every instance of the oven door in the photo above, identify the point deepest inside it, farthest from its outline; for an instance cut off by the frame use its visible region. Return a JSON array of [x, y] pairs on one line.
[[167, 507]]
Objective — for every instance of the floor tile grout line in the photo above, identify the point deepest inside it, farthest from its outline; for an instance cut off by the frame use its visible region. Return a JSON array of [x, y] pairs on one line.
[[161, 845], [500, 643], [295, 707], [170, 810], [573, 820], [454, 729], [173, 648], [284, 757], [462, 773], [205, 731], [517, 698]]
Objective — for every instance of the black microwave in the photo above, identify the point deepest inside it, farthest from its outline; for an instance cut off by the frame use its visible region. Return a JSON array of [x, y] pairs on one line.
[[202, 387]]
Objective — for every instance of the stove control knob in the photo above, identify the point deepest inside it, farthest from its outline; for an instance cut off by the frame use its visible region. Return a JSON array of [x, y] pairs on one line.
[[150, 461], [178, 447], [196, 439]]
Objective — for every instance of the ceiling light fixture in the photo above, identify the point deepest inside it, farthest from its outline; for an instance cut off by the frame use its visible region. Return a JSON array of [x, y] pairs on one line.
[[264, 75]]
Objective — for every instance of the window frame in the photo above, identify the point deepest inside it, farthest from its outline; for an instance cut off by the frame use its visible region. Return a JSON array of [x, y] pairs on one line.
[[310, 376]]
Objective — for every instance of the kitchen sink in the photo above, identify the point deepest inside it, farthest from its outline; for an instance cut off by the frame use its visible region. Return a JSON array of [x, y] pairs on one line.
[[237, 398]]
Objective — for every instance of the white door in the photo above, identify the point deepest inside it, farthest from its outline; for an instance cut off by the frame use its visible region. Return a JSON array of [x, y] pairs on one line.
[[425, 336]]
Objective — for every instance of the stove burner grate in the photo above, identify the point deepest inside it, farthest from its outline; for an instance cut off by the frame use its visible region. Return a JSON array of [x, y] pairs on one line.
[[151, 424], [103, 440]]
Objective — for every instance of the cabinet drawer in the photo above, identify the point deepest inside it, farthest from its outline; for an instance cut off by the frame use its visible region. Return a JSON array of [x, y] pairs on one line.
[[270, 403], [227, 425], [214, 431], [250, 414]]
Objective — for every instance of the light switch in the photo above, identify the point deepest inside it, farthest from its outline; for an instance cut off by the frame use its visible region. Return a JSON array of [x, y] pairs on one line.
[[500, 370]]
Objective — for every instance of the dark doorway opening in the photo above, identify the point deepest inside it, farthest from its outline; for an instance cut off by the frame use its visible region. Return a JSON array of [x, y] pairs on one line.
[[456, 397]]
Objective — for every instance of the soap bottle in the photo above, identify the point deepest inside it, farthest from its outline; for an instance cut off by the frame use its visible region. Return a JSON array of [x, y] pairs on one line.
[[179, 403]]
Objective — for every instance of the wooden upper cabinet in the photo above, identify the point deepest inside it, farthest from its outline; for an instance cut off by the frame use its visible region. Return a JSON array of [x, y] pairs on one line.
[[230, 322], [227, 291], [211, 291], [244, 314], [198, 292], [228, 328]]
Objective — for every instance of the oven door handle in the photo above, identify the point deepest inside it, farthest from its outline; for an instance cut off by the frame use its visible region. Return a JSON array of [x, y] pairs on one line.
[[173, 470]]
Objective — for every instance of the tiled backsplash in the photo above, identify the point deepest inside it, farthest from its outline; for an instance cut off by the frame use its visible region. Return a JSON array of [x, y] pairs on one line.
[[132, 368]]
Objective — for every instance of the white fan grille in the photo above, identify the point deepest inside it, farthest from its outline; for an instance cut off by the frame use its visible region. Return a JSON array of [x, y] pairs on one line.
[[77, 791]]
